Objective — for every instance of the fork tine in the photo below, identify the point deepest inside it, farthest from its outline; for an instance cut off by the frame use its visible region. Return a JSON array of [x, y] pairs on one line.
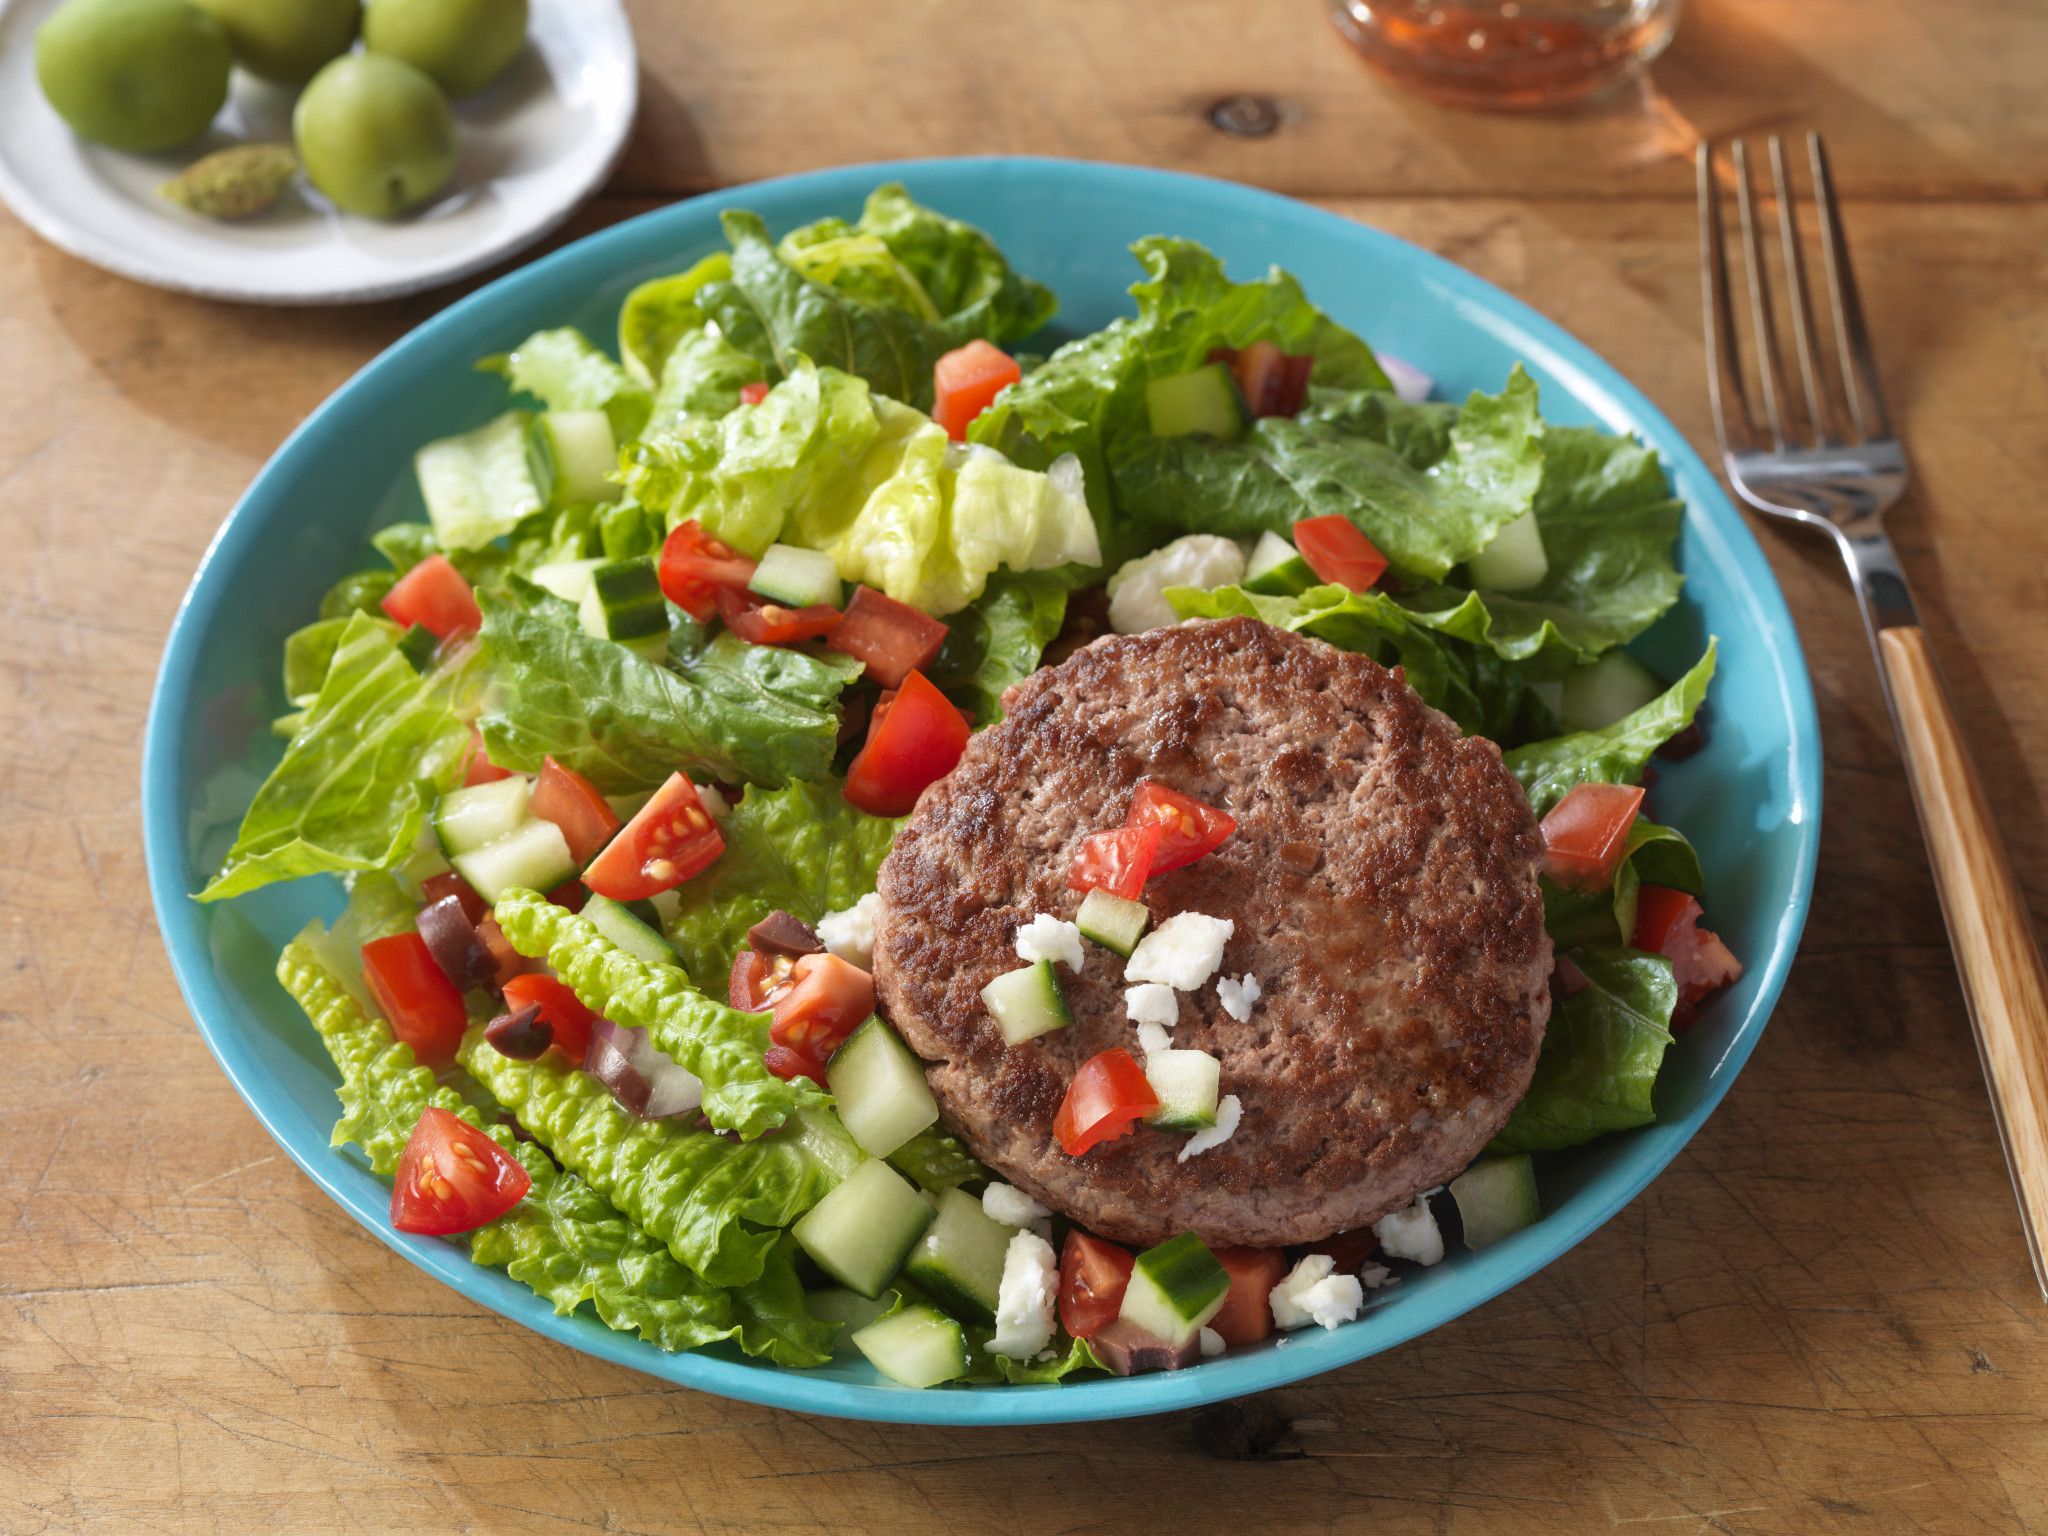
[[1732, 422], [1770, 375], [1817, 415], [1852, 338]]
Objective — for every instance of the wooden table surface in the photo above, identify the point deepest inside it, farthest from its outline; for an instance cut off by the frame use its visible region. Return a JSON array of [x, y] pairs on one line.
[[1820, 1319]]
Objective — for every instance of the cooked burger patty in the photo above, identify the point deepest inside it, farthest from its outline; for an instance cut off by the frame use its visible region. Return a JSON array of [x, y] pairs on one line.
[[1382, 880]]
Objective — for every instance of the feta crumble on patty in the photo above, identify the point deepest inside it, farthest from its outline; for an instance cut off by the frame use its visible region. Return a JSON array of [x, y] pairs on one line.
[[1411, 1234], [851, 934], [1183, 952], [1047, 938], [1238, 997], [1152, 1002], [1025, 1298], [1313, 1293], [1228, 1112], [1152, 1039]]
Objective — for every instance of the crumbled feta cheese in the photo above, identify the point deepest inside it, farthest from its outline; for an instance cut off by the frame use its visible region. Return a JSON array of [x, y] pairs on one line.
[[1313, 1293], [1047, 938], [1183, 951], [1374, 1276], [1152, 1039], [1152, 1002], [1411, 1234], [1137, 592], [1228, 1112], [1025, 1297], [713, 801], [851, 934], [1011, 1206], [1212, 1344], [1238, 997]]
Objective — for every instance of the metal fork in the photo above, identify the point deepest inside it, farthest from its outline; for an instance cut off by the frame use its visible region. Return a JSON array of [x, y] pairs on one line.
[[1827, 458]]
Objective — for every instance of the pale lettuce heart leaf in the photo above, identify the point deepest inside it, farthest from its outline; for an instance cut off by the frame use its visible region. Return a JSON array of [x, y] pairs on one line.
[[565, 371], [377, 745], [801, 849], [660, 312], [476, 485]]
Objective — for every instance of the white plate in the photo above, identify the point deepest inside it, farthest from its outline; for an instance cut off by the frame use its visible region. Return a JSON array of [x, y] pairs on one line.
[[532, 147]]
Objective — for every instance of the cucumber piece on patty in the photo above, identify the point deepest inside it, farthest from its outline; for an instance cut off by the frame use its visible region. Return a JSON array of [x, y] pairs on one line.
[[1114, 922], [1027, 1003]]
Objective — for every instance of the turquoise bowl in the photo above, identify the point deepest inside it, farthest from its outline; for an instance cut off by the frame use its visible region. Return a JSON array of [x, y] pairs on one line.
[[1751, 800]]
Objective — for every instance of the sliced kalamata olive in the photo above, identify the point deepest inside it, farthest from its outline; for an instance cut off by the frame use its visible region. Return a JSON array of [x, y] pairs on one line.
[[1129, 1350], [1566, 979], [521, 1034], [610, 1061], [779, 933], [506, 962], [455, 944]]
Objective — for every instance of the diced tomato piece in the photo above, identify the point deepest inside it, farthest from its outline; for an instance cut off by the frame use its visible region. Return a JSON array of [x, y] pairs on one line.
[[671, 838], [453, 1178], [911, 744], [758, 621], [1119, 862], [757, 980], [437, 887], [573, 803], [422, 1006], [754, 393], [1247, 1314], [570, 895], [828, 999], [889, 638], [1336, 551], [1273, 383], [1109, 1094], [1187, 828], [966, 382], [1586, 834], [1093, 1277], [562, 1008], [789, 1065], [1668, 924], [695, 567], [434, 595], [478, 768]]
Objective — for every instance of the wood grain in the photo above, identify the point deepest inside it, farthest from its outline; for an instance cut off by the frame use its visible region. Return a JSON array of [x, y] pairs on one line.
[[1819, 1320], [2005, 984]]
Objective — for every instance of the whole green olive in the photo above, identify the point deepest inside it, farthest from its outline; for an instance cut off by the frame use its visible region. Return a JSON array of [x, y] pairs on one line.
[[142, 75], [287, 40], [463, 44], [375, 134]]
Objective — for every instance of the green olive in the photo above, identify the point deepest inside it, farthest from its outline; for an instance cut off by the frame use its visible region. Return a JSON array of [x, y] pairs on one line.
[[286, 40], [142, 75], [463, 44], [375, 134]]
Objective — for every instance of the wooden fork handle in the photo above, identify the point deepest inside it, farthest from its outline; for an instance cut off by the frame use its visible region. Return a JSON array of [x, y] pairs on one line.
[[2005, 985]]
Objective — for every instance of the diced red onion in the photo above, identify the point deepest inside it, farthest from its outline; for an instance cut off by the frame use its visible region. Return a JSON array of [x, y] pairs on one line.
[[609, 1060], [644, 1079], [1410, 382]]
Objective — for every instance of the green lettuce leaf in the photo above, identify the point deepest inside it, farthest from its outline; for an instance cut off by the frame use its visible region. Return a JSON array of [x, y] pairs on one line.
[[721, 1045], [660, 312], [309, 651], [562, 370], [377, 745], [476, 485], [999, 640], [1653, 855], [802, 849], [759, 713], [718, 1205], [564, 1241], [1615, 754], [1600, 1054], [1021, 1373], [701, 378]]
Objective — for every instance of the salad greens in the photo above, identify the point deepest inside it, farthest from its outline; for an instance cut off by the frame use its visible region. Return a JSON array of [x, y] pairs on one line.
[[775, 396]]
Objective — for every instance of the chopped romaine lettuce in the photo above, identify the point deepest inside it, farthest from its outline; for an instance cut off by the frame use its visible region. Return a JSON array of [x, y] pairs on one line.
[[661, 312], [1615, 754], [476, 485], [998, 640], [562, 370]]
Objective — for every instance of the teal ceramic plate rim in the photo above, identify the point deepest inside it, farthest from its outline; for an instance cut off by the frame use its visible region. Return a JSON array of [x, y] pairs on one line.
[[1712, 523]]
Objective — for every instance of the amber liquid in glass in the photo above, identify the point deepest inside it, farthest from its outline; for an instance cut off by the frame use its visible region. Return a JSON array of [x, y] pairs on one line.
[[1508, 53]]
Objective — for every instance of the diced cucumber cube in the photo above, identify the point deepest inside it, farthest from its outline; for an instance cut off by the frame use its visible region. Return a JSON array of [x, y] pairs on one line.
[[532, 856], [567, 579], [801, 578], [1276, 569], [1114, 922], [852, 1313], [625, 602], [1188, 1084], [918, 1347], [1202, 401], [861, 1231], [1616, 685], [959, 1260], [1496, 1196], [1514, 561], [632, 934], [1175, 1288], [571, 456], [883, 1097], [482, 813], [1027, 1003]]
